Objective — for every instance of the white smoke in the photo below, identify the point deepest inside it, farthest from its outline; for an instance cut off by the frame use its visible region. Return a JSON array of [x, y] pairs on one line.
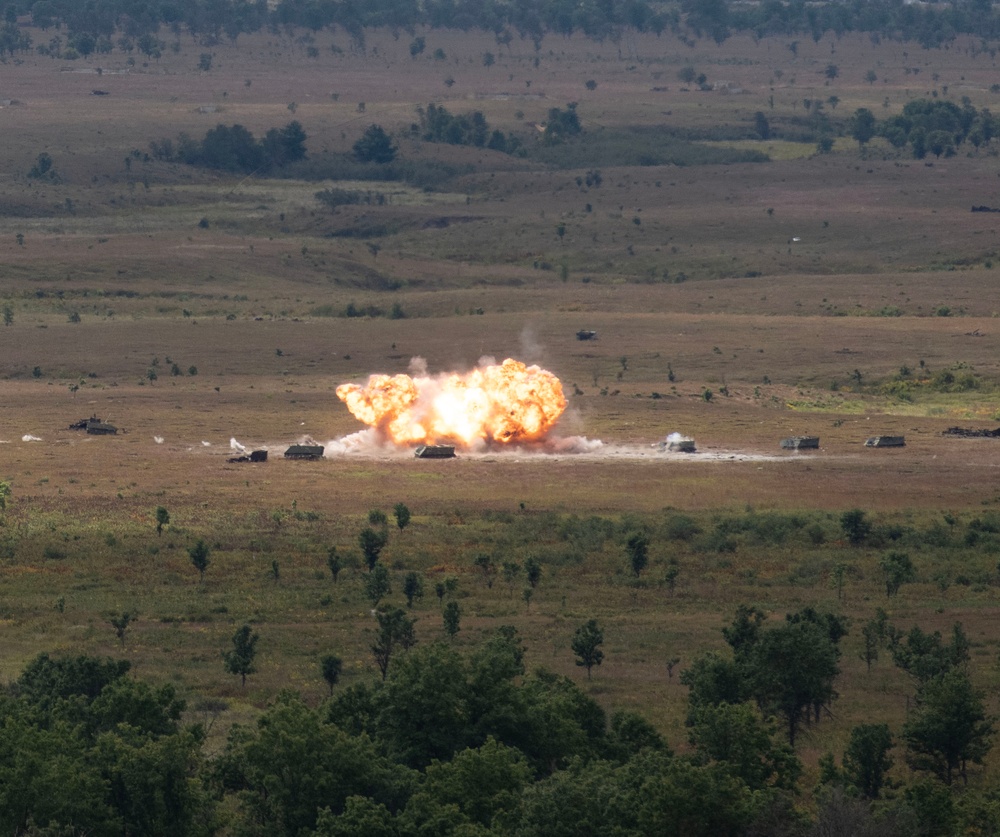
[[531, 349], [206, 444], [365, 442], [27, 437], [236, 446], [158, 440], [418, 367], [573, 444]]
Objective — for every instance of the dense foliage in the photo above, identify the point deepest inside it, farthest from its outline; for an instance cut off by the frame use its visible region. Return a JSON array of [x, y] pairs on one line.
[[475, 745]]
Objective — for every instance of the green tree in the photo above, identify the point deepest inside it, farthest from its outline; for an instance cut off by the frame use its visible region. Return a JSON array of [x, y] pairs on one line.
[[199, 557], [867, 760], [871, 640], [484, 783], [510, 570], [855, 526], [452, 616], [862, 126], [375, 146], [376, 584], [791, 669], [949, 727], [925, 655], [413, 587], [372, 542], [402, 515], [8, 315], [762, 126], [737, 735], [240, 660], [331, 666], [586, 644], [333, 563], [395, 631], [162, 519], [637, 549], [532, 571], [121, 622], [292, 764], [897, 569], [4, 494]]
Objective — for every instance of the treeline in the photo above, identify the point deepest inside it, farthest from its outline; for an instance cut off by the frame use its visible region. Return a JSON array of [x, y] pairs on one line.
[[931, 25], [234, 149], [476, 745]]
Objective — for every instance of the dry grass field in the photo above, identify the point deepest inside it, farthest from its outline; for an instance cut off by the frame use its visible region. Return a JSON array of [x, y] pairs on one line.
[[794, 290]]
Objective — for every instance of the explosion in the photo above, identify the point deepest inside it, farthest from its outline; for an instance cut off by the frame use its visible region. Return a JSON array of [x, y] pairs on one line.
[[505, 403]]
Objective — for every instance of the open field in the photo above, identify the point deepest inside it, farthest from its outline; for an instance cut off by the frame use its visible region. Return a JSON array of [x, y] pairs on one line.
[[814, 294]]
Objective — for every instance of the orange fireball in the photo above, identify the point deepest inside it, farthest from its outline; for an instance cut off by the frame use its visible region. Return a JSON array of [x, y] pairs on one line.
[[505, 403]]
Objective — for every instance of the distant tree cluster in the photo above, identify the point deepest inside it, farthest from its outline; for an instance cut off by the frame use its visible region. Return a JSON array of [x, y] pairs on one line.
[[438, 125], [234, 149], [933, 126]]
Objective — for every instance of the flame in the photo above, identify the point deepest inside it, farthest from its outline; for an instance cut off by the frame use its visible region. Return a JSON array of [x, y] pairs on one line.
[[505, 403]]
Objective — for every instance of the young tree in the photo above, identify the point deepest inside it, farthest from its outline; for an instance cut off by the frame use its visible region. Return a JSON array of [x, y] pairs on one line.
[[586, 644], [532, 571], [871, 642], [402, 515], [8, 315], [121, 623], [333, 563], [510, 570], [377, 584], [199, 557], [898, 570], [867, 759], [452, 615], [949, 727], [637, 547], [240, 660], [162, 519], [488, 569], [372, 542], [4, 494], [413, 587], [331, 666], [395, 630]]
